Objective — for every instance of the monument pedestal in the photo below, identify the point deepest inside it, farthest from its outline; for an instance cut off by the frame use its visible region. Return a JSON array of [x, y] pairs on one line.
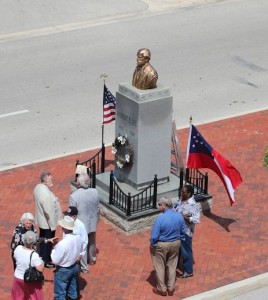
[[145, 117]]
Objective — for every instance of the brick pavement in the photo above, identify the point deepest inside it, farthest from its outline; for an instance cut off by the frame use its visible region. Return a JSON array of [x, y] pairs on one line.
[[230, 243]]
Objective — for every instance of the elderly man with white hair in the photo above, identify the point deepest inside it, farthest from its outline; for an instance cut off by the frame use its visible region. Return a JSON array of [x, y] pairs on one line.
[[86, 200], [167, 233]]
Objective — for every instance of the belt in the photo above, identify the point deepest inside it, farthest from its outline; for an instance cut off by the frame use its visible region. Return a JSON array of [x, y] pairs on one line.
[[67, 267], [168, 241]]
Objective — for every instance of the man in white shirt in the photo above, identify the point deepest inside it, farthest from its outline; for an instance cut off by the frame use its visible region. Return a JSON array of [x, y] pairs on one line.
[[79, 228], [66, 255]]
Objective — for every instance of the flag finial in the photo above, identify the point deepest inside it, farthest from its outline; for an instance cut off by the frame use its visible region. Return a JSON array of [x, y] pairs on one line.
[[191, 119], [103, 76]]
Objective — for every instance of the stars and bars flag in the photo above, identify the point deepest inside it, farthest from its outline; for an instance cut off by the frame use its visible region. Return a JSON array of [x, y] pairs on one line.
[[201, 155], [109, 104]]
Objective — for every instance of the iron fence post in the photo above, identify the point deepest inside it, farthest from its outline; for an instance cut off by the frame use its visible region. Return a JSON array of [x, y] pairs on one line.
[[111, 188], [94, 174], [181, 178], [129, 204], [76, 164], [155, 191], [206, 183], [187, 175], [102, 158]]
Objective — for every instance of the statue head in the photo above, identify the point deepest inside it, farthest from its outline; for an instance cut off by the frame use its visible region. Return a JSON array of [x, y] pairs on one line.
[[144, 76], [143, 56]]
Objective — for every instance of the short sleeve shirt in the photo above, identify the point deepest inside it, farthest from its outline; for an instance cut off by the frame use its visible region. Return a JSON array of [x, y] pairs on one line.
[[22, 257]]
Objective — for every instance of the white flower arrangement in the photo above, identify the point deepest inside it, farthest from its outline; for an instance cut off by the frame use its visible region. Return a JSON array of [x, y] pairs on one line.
[[119, 164], [127, 157], [122, 139], [122, 151]]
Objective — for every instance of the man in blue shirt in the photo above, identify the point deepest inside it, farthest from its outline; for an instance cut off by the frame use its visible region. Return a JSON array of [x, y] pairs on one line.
[[167, 233]]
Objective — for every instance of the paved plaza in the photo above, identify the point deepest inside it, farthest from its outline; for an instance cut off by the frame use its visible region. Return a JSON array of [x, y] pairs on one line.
[[230, 243]]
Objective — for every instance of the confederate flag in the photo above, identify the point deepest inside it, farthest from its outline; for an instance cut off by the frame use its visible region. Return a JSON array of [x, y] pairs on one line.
[[201, 155]]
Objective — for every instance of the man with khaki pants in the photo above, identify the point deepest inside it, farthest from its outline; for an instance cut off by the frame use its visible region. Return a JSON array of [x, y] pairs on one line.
[[167, 232]]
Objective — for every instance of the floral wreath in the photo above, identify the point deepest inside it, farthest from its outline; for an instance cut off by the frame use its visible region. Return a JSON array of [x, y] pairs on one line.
[[123, 152]]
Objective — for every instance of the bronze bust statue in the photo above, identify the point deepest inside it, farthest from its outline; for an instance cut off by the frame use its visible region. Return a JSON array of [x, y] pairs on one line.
[[144, 76]]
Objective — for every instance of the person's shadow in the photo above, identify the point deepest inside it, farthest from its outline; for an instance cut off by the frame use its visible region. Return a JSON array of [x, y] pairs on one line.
[[151, 278], [82, 283], [224, 222]]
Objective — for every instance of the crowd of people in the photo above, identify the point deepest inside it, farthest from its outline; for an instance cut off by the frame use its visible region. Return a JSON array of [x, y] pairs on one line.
[[69, 254], [75, 250]]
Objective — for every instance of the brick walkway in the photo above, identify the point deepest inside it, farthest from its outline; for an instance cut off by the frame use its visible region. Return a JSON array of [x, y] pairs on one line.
[[230, 244]]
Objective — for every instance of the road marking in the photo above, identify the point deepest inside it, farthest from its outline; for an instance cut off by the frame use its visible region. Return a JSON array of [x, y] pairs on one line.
[[15, 113]]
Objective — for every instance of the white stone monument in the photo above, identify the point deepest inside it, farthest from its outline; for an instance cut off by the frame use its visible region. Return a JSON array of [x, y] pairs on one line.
[[145, 117]]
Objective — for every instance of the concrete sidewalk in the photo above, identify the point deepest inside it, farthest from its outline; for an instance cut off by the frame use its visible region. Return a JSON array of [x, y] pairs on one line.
[[254, 288], [230, 243], [49, 15]]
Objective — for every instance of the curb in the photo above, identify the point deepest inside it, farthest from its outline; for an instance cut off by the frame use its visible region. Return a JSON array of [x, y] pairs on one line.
[[239, 288]]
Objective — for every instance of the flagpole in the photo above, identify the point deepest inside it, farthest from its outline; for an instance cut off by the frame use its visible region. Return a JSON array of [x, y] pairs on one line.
[[103, 76], [189, 140]]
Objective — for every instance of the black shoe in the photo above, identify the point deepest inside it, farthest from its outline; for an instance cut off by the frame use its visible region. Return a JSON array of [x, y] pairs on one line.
[[49, 265]]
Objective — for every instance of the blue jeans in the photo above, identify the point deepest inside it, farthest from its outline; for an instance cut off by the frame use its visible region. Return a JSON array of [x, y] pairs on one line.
[[65, 282], [187, 254]]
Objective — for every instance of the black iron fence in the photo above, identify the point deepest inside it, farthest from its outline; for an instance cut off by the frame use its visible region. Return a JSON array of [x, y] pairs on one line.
[[98, 159], [146, 199], [143, 201], [195, 178], [95, 164]]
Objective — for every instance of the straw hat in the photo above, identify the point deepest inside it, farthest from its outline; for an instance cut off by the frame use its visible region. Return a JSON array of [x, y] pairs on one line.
[[67, 222]]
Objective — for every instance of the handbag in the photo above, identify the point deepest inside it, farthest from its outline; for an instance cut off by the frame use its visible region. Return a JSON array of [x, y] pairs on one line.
[[33, 275]]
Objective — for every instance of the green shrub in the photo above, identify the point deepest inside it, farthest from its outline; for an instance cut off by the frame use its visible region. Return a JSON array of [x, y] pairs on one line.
[[265, 159]]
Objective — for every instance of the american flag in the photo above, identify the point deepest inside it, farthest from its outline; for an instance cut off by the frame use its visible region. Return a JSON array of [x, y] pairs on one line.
[[109, 103], [201, 155]]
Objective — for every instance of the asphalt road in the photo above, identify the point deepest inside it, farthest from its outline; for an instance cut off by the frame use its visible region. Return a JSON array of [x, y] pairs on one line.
[[212, 54]]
